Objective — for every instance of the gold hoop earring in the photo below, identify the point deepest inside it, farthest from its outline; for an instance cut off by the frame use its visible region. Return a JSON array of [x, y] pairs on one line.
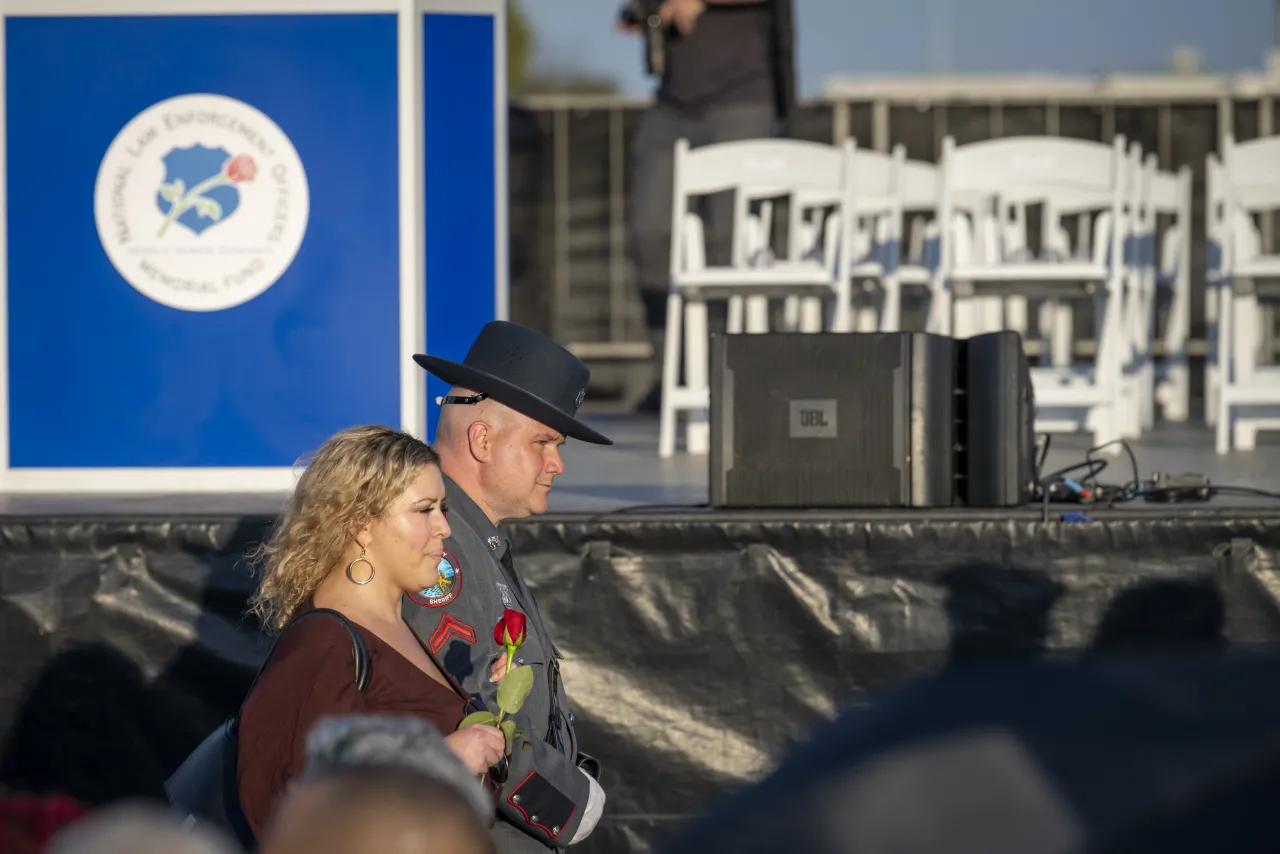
[[351, 577]]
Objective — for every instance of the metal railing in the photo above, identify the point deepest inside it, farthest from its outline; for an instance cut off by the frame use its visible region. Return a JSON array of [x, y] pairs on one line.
[[570, 274]]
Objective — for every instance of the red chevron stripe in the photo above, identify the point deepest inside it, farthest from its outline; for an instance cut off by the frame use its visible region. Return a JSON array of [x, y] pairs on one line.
[[450, 627]]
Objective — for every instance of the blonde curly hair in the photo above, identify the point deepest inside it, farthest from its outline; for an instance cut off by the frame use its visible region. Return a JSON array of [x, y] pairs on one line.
[[350, 480]]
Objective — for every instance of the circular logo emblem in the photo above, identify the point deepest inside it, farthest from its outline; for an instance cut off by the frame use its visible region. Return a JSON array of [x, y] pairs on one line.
[[201, 202], [448, 583]]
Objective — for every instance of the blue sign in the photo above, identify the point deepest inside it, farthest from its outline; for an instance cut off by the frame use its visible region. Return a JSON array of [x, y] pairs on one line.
[[461, 214], [204, 244]]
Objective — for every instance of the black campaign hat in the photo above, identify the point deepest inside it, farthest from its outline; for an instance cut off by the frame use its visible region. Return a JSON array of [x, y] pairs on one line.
[[526, 371]]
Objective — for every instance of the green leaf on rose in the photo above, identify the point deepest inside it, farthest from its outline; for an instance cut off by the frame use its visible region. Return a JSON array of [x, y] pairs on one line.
[[514, 689], [173, 192], [478, 719], [208, 208], [509, 730]]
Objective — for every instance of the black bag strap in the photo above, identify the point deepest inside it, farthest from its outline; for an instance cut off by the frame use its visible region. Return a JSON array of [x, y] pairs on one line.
[[359, 653]]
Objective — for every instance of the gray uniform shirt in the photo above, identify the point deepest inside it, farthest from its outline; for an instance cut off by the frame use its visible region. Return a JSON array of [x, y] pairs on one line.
[[545, 794]]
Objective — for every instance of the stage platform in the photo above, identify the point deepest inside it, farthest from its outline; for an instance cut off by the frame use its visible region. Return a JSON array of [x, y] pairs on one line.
[[628, 477], [697, 645]]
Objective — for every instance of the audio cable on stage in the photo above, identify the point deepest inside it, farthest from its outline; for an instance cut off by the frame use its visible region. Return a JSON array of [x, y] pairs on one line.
[[1078, 484]]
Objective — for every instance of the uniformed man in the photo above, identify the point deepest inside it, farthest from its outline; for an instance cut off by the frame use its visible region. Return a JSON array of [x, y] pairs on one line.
[[513, 402]]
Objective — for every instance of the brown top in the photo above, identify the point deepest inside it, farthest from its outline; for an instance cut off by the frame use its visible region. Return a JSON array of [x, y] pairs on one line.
[[311, 674]]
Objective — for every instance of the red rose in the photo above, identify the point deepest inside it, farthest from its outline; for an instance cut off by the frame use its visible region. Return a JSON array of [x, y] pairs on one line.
[[510, 630], [241, 168]]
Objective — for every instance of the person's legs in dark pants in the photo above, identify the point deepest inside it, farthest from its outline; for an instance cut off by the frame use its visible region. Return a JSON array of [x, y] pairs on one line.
[[649, 217], [730, 123]]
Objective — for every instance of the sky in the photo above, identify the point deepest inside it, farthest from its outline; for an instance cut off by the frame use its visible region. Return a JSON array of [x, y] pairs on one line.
[[837, 37]]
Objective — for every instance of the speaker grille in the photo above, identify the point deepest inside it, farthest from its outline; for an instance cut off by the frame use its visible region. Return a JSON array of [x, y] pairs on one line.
[[866, 377]]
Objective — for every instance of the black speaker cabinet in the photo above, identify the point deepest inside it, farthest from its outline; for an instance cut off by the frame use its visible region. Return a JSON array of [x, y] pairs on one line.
[[998, 438], [831, 420], [870, 420]]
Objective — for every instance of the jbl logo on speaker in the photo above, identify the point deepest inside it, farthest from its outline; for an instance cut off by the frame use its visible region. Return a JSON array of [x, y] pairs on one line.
[[813, 419]]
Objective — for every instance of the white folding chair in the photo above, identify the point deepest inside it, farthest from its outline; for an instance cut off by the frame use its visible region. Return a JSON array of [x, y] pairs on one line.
[[919, 185], [874, 241], [751, 314], [812, 233], [1167, 272], [1248, 392], [1215, 212], [981, 184], [1138, 312], [744, 167], [895, 239]]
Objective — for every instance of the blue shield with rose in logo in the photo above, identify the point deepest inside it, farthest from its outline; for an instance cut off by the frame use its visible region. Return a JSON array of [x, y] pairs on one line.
[[197, 193]]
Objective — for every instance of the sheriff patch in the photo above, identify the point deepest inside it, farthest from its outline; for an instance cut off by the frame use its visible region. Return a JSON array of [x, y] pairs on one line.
[[448, 584]]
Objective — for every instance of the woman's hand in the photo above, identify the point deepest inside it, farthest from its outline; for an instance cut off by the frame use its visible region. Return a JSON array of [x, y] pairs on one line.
[[478, 746], [499, 669]]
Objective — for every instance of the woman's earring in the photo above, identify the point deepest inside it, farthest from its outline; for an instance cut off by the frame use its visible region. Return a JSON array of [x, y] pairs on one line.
[[351, 577]]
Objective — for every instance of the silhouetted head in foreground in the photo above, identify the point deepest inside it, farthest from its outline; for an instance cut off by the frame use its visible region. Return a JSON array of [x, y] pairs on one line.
[[137, 828], [381, 783], [1155, 755], [388, 810]]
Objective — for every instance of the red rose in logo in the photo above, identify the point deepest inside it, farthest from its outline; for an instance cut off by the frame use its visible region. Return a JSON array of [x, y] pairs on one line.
[[241, 168]]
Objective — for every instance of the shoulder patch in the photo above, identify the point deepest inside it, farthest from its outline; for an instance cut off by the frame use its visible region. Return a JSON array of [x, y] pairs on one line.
[[448, 584], [450, 627]]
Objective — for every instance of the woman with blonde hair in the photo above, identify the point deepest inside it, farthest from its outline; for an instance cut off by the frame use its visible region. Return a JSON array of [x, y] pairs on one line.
[[366, 524]]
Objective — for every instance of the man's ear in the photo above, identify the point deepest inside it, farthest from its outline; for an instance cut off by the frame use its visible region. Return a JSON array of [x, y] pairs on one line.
[[480, 441]]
